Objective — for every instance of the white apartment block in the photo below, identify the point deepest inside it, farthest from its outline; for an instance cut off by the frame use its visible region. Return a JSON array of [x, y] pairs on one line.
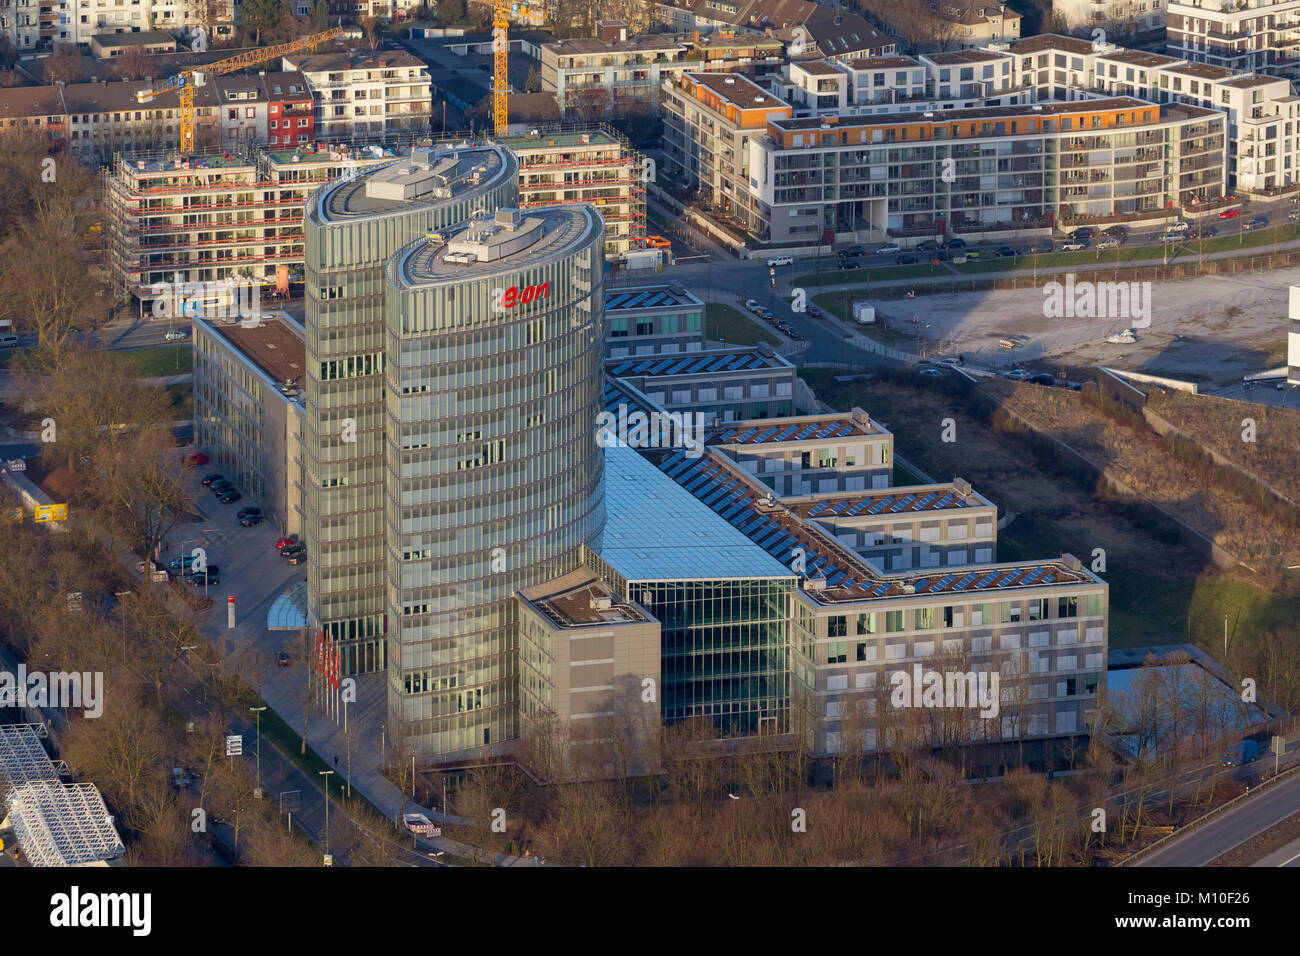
[[366, 95], [37, 25], [1243, 35], [1114, 17]]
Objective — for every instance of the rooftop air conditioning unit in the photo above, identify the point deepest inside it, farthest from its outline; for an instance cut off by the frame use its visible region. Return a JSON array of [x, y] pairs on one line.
[[962, 487], [909, 588], [601, 603]]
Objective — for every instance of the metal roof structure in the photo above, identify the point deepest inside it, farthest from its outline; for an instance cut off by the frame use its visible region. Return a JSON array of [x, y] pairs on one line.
[[840, 574], [23, 758], [656, 531], [62, 824], [692, 363], [648, 297]]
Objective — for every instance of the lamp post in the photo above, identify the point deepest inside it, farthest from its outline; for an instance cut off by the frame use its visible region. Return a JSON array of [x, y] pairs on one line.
[[258, 712], [327, 774], [121, 613]]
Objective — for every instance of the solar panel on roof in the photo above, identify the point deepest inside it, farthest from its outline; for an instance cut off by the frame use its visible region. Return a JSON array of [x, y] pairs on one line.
[[881, 505], [766, 536], [858, 506], [727, 435], [805, 432], [1049, 578], [700, 480], [681, 468], [786, 432], [734, 509], [758, 521], [834, 579], [620, 368], [843, 431], [879, 589], [722, 491], [947, 500], [1033, 576], [1007, 578], [745, 435], [961, 585], [984, 582], [920, 504], [764, 435], [903, 502], [816, 509], [942, 583]]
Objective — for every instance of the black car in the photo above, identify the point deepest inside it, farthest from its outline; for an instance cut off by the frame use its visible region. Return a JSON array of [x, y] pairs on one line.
[[1044, 245], [955, 244], [1259, 222], [850, 264], [245, 512], [249, 520], [928, 245], [1205, 232], [906, 260], [299, 558], [219, 486], [1042, 378], [230, 497], [852, 252], [198, 581], [215, 476], [1005, 251], [290, 550], [282, 659]]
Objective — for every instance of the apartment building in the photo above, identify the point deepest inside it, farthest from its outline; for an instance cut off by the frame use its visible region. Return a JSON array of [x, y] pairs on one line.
[[598, 77], [984, 169], [37, 25], [106, 46], [275, 109], [214, 215], [592, 165], [105, 118], [366, 94], [977, 23], [1244, 35], [1116, 17], [710, 120]]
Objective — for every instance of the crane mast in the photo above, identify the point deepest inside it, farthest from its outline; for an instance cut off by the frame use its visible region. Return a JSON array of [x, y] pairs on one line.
[[500, 49]]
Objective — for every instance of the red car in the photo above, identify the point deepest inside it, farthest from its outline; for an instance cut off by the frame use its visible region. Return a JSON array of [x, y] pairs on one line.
[[1230, 214], [194, 459], [286, 541]]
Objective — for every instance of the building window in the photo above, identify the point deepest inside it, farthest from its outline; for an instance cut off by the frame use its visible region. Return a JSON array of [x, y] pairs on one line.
[[837, 626]]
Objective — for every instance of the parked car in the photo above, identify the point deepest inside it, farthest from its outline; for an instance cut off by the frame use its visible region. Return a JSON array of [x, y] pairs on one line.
[[973, 253], [285, 541], [176, 335], [955, 244], [813, 311], [950, 360], [1017, 375], [1180, 226], [245, 512], [1074, 246], [1293, 216], [1044, 245], [209, 479], [194, 459], [1005, 251], [852, 252], [752, 305], [1230, 214], [299, 558], [906, 261], [930, 372], [198, 580], [282, 659], [220, 488], [249, 520], [794, 334], [764, 312], [1204, 232], [1259, 222], [889, 249], [180, 564], [1042, 378], [657, 242], [1108, 244], [1172, 237], [850, 264], [230, 497], [291, 549], [929, 245], [780, 261], [1083, 232]]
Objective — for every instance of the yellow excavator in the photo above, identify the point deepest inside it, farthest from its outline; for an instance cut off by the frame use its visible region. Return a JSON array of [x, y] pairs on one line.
[[188, 80]]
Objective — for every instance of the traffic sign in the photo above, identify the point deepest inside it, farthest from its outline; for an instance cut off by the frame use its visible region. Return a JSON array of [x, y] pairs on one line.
[[50, 513], [234, 745]]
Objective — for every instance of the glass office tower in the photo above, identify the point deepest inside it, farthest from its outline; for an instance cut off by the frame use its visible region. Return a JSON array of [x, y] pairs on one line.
[[352, 227], [494, 379]]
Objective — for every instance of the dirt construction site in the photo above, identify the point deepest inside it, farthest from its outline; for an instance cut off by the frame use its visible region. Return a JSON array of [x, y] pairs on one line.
[[1210, 329]]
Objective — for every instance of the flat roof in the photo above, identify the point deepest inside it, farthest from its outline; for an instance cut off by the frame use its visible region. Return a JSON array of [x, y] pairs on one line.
[[567, 601], [965, 56], [563, 230], [345, 199], [774, 431], [1051, 41], [882, 63], [523, 144], [633, 298], [275, 346], [132, 39], [720, 485], [1204, 71], [708, 362], [655, 530], [1139, 58], [886, 502], [987, 112], [1254, 79], [581, 46], [738, 89], [817, 67]]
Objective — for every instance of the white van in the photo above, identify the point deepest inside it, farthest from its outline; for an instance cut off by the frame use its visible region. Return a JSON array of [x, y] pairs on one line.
[[8, 341]]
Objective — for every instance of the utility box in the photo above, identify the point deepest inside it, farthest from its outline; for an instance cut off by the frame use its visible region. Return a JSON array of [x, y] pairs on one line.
[[864, 314]]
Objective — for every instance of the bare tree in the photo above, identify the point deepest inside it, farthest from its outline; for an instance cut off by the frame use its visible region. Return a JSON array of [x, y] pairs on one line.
[[135, 64], [66, 65]]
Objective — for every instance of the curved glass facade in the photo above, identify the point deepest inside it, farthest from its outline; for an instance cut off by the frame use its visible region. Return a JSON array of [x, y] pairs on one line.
[[494, 475], [348, 239]]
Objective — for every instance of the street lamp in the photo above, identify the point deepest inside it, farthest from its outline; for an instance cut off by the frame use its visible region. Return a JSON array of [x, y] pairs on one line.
[[121, 613], [327, 774], [258, 712]]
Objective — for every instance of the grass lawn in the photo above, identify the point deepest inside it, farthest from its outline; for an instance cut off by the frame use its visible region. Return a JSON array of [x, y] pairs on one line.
[[726, 324], [904, 475], [182, 401], [156, 362], [879, 274]]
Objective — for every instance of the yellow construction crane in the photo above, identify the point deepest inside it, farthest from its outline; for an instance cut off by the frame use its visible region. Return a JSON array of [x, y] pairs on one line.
[[187, 80], [500, 49]]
